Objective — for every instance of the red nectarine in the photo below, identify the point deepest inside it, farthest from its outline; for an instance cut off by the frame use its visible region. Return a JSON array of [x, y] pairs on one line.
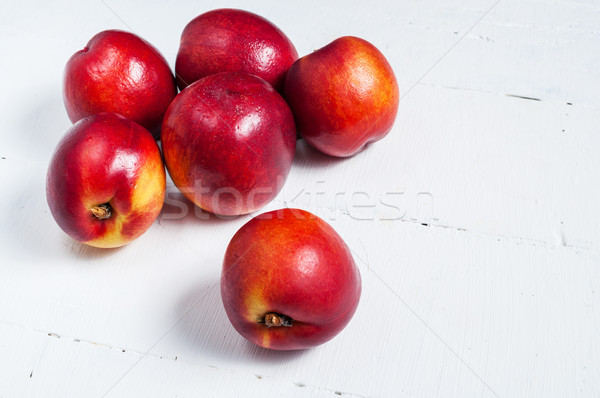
[[289, 281], [228, 141], [106, 181], [119, 72], [343, 96], [228, 40]]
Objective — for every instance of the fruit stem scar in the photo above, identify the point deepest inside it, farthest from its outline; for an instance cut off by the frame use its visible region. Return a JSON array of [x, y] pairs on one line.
[[102, 212], [272, 319]]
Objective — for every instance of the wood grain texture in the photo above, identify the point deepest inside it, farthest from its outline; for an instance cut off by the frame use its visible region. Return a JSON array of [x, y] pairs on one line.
[[474, 223]]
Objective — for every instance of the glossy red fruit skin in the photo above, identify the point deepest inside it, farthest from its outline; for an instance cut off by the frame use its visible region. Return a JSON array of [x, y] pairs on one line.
[[230, 40], [344, 96], [228, 141], [106, 158], [119, 72], [289, 262]]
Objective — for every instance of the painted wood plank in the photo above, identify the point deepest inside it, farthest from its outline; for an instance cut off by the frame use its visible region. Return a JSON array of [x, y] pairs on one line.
[[495, 295]]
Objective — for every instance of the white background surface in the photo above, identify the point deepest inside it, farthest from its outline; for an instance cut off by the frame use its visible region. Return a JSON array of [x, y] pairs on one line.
[[496, 296]]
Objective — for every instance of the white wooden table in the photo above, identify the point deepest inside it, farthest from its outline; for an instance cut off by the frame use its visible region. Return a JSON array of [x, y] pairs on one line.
[[475, 223]]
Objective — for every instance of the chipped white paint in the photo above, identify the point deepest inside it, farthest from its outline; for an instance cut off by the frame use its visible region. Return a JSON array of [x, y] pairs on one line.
[[474, 223]]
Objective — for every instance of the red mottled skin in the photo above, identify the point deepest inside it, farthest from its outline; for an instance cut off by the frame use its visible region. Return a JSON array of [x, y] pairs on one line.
[[228, 141], [344, 96], [292, 263], [106, 158], [119, 72], [228, 40]]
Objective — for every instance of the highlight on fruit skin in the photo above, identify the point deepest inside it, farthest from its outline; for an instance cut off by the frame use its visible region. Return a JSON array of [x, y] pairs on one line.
[[106, 181], [289, 281]]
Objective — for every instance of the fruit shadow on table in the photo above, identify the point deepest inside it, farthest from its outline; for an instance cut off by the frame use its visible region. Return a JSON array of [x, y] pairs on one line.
[[202, 305], [179, 210], [309, 158], [83, 251]]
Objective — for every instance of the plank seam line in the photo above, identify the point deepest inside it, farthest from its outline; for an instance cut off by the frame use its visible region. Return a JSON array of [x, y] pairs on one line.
[[516, 240], [510, 95], [71, 339]]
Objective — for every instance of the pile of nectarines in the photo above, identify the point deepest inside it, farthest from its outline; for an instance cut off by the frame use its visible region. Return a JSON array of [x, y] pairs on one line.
[[228, 140]]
